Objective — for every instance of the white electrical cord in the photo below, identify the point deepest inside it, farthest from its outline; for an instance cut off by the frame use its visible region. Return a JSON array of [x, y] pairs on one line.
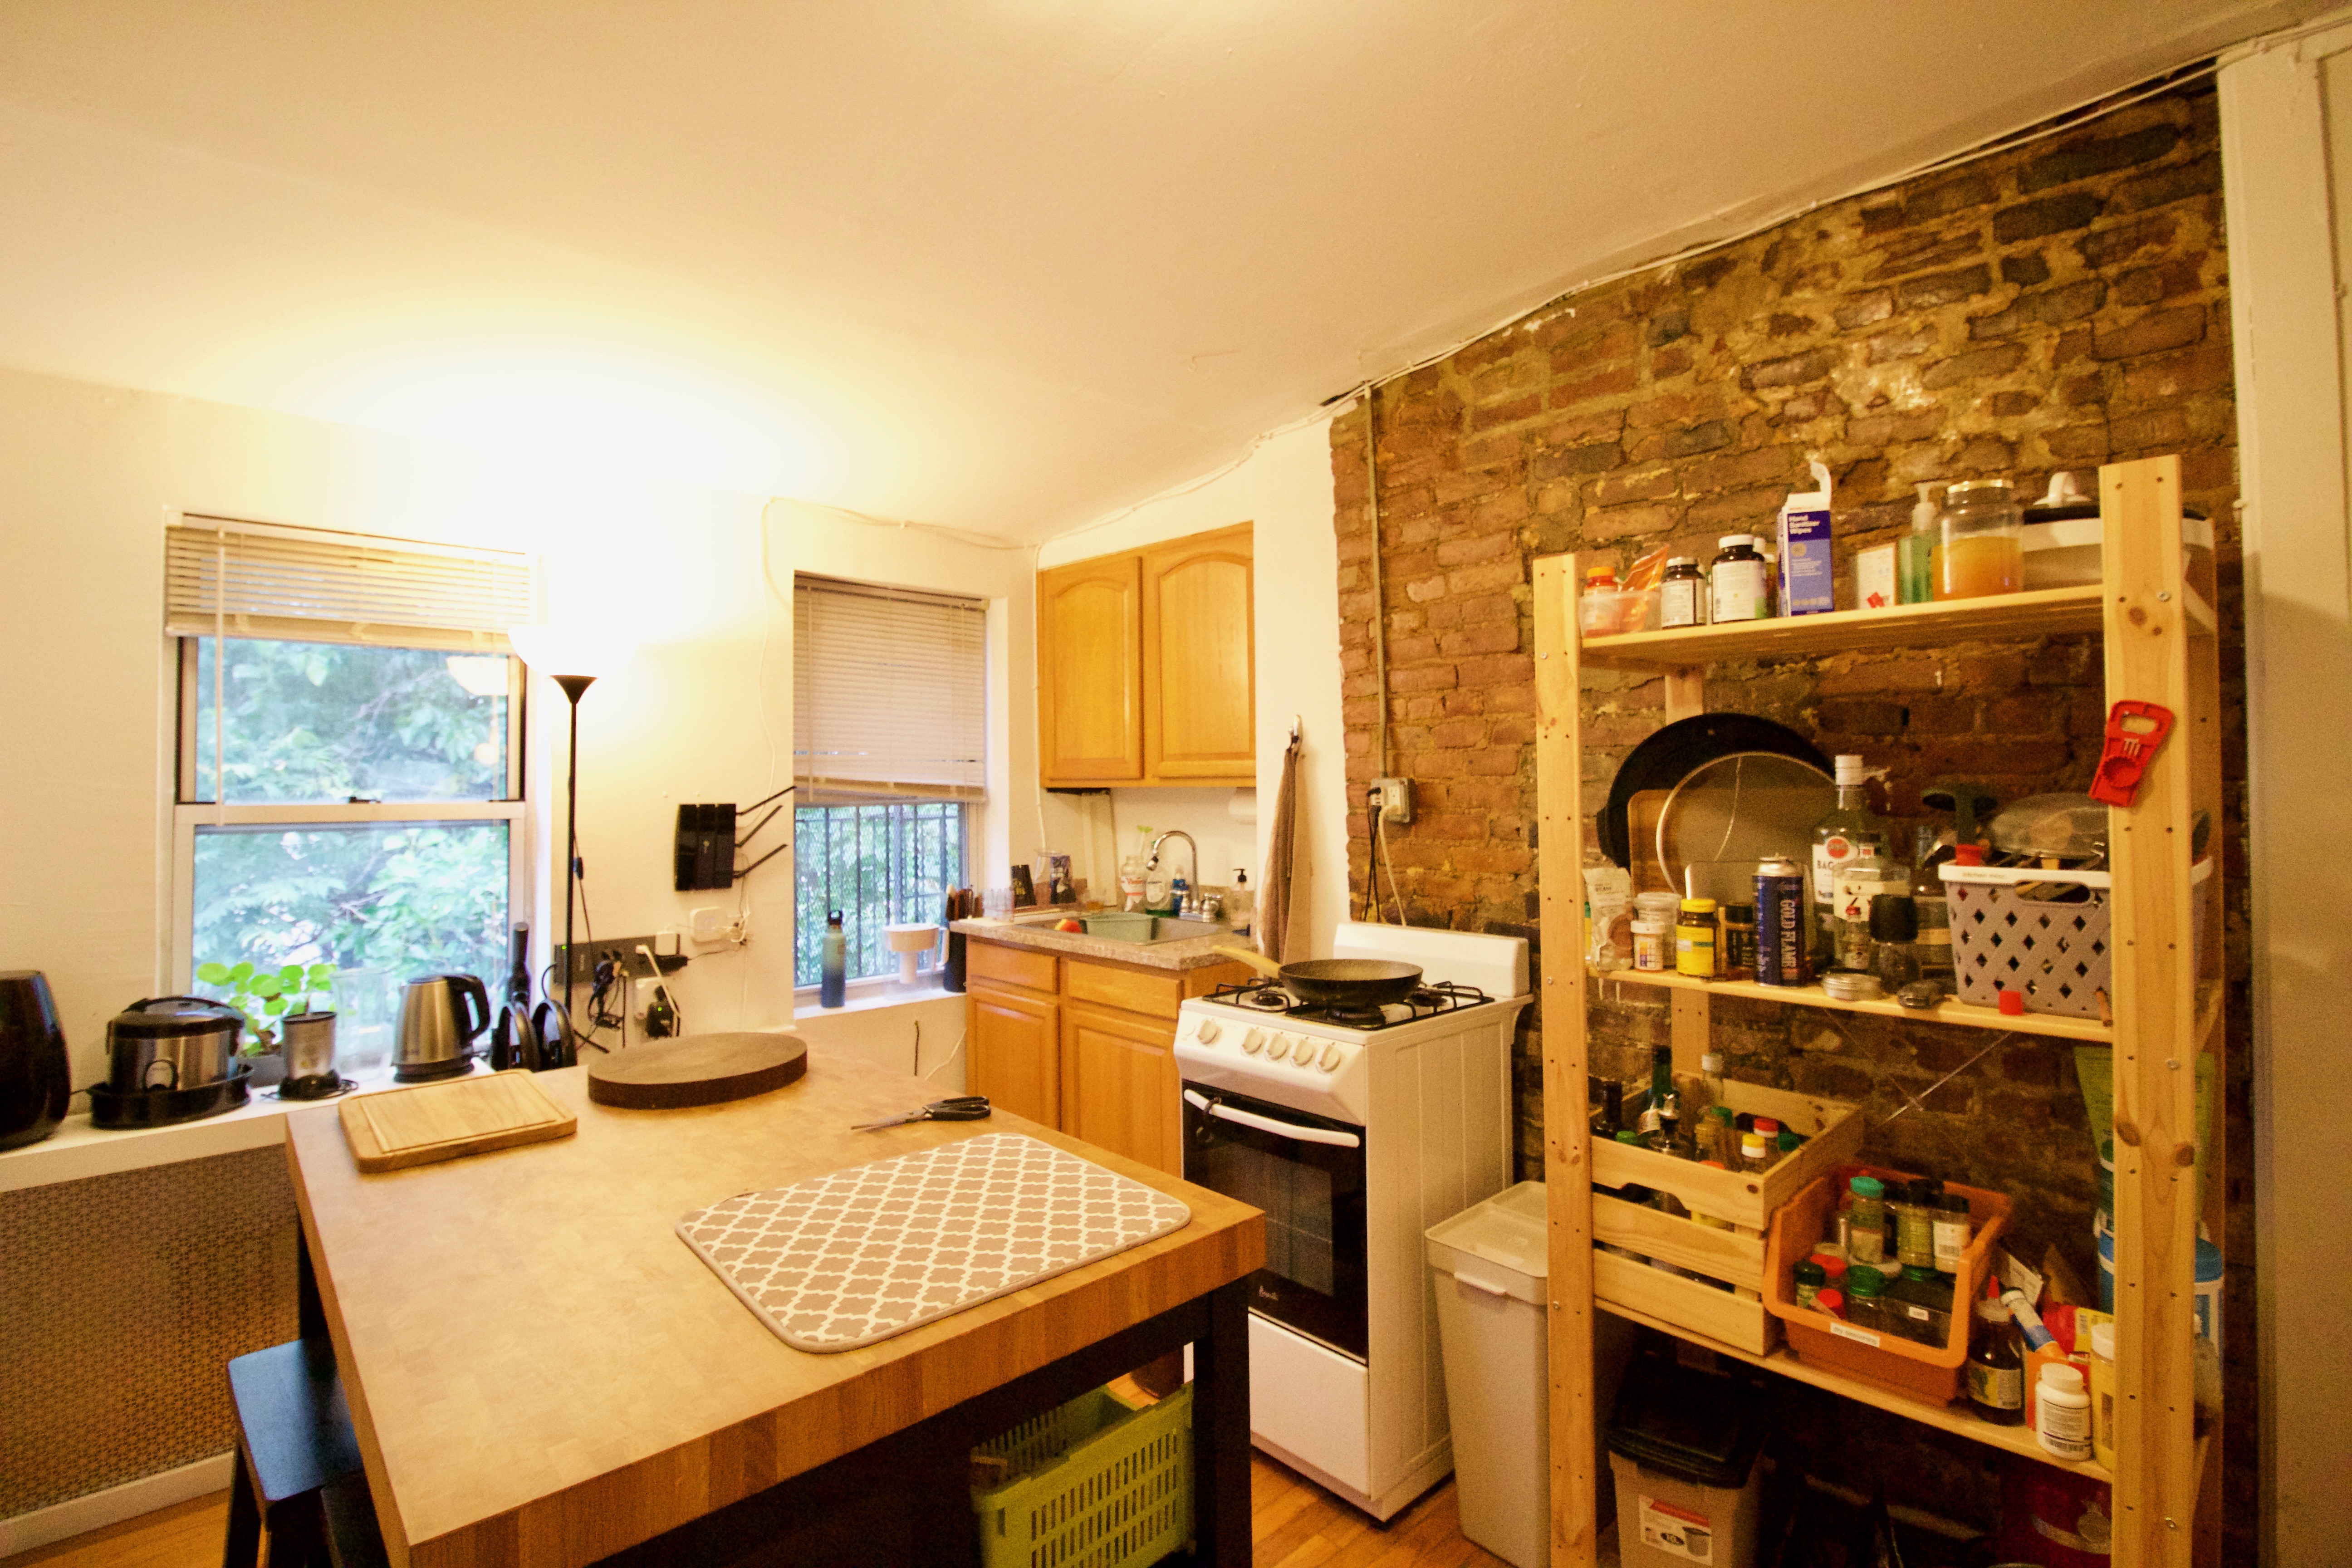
[[1381, 832]]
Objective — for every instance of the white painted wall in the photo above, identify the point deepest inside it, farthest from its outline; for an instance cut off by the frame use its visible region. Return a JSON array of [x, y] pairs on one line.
[[85, 699], [2287, 146], [1284, 489]]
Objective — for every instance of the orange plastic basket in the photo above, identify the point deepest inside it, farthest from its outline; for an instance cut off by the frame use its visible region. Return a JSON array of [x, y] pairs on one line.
[[1924, 1372]]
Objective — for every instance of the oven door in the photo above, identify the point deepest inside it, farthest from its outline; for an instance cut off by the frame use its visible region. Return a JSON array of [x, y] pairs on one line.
[[1308, 1173]]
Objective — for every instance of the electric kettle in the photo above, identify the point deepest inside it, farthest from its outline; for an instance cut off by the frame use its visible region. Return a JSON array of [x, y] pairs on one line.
[[440, 1015]]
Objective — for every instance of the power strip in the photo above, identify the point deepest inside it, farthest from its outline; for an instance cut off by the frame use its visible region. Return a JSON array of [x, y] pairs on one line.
[[621, 950]]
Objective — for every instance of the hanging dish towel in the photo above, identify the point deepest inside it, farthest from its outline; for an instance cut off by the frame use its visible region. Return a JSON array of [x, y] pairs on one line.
[[847, 1258], [1284, 932]]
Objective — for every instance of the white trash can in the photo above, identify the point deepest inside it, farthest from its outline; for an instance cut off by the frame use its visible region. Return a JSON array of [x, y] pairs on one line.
[[1488, 1266]]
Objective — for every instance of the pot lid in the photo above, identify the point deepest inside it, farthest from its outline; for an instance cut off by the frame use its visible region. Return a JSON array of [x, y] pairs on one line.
[[171, 1018]]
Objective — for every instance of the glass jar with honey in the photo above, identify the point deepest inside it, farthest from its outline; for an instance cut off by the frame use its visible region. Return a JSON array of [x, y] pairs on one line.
[[1981, 542]]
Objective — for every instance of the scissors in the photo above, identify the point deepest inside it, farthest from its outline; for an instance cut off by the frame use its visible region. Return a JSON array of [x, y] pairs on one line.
[[964, 1108]]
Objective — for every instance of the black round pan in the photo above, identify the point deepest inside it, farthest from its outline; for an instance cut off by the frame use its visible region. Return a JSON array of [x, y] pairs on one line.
[[1338, 982]]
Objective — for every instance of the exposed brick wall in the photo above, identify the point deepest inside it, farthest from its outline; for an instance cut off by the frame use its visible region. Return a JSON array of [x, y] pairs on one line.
[[2055, 306]]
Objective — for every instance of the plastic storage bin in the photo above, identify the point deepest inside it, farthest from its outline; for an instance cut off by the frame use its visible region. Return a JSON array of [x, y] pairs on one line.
[[1095, 1482], [1931, 1373], [1488, 1265], [2057, 954], [1683, 1445]]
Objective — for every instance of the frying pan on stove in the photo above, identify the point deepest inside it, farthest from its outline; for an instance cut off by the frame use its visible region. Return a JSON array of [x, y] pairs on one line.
[[1683, 748], [1336, 982]]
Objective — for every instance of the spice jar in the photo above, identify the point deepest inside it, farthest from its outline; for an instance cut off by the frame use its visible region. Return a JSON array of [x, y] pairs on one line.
[[1738, 580], [1810, 1277], [1739, 954], [1866, 1222], [1953, 1232], [1864, 1289], [1653, 945], [1694, 938], [1915, 1223], [1980, 540], [1682, 594]]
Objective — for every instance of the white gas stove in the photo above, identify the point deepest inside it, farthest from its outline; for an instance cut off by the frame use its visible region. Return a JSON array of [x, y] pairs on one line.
[[1355, 1131]]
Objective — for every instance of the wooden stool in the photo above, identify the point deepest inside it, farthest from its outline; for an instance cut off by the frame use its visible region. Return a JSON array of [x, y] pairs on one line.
[[297, 1464]]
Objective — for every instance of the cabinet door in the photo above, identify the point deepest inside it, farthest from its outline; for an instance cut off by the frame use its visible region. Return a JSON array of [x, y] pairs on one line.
[[1090, 671], [1120, 1083], [1015, 1052], [1200, 710]]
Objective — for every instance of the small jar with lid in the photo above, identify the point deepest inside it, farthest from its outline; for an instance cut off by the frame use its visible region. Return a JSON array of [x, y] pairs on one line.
[[1808, 1277], [1865, 1291], [1737, 959], [1739, 581], [1980, 540], [1694, 944], [1953, 1232], [1915, 1205], [1653, 945], [1682, 594], [1866, 1221]]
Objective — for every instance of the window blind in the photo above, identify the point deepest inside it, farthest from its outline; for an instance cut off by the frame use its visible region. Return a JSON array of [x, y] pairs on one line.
[[889, 693], [312, 586]]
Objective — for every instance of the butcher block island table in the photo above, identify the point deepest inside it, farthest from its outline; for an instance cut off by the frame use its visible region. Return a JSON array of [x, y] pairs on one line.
[[541, 1371]]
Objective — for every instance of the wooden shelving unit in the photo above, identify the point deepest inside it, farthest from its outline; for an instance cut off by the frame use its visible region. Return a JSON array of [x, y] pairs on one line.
[[2157, 635]]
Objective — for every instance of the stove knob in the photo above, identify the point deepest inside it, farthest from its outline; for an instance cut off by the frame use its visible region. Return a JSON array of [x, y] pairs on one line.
[[1279, 1049], [1209, 1031], [1254, 1042], [1331, 1057]]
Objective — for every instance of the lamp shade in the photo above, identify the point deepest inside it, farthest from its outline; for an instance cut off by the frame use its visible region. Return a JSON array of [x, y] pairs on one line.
[[590, 651]]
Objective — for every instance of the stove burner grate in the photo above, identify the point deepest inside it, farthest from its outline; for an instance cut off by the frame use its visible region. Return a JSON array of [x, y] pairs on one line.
[[1423, 1001]]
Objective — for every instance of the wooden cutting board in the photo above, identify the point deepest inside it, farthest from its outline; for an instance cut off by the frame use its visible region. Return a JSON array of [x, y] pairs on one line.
[[433, 1121], [697, 1069]]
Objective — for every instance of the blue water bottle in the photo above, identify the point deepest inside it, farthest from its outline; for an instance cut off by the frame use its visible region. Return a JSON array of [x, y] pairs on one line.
[[835, 979]]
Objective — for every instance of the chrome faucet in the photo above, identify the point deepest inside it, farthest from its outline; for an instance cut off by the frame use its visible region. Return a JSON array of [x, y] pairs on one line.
[[1191, 899]]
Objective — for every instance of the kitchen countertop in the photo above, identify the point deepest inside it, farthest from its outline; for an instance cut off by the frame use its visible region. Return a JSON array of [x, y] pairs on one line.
[[1192, 952]]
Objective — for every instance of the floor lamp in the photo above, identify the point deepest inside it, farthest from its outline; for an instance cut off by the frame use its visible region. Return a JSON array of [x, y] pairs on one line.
[[572, 658]]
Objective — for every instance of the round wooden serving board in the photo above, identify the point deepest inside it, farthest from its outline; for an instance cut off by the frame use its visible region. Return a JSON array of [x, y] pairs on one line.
[[697, 1069]]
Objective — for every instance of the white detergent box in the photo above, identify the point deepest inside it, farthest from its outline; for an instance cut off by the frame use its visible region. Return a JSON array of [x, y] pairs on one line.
[[1873, 578], [1808, 586]]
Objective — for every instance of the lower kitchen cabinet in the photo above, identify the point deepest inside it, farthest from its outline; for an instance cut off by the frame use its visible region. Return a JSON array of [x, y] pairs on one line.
[[1120, 1084], [1085, 1046], [1015, 1051]]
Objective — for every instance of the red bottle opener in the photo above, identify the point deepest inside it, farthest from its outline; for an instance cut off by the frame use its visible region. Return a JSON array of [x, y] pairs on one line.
[[2134, 730]]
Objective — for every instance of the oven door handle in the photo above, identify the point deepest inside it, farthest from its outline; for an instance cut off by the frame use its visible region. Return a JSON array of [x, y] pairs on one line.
[[1268, 1124]]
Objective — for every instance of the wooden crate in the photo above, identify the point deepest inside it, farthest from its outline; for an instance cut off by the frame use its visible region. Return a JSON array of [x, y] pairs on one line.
[[1738, 1317]]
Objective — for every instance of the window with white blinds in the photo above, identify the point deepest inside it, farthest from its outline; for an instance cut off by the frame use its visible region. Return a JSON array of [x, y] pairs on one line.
[[258, 580], [889, 693]]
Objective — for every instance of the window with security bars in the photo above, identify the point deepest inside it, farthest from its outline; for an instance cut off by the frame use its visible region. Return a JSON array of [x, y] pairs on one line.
[[888, 863], [350, 757], [888, 749]]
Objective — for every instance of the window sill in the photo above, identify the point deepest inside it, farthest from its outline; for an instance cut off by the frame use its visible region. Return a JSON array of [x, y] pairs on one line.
[[870, 996], [77, 1150]]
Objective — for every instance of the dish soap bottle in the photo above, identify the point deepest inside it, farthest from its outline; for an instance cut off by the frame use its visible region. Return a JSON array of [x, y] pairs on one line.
[[1241, 903], [1915, 553], [832, 983]]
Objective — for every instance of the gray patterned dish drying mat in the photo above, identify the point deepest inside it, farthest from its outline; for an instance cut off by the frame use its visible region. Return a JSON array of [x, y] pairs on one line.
[[853, 1257]]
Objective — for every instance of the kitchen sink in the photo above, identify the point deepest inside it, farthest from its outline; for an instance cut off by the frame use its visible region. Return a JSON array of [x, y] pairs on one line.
[[1146, 930]]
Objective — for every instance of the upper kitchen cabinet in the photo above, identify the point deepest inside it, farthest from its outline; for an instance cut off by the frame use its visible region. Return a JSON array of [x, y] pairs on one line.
[[1145, 664], [1090, 672]]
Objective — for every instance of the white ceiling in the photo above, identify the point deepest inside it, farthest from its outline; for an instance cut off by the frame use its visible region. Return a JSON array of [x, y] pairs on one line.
[[1003, 264]]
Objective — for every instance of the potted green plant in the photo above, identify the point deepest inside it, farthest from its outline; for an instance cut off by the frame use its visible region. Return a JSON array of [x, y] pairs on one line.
[[264, 997]]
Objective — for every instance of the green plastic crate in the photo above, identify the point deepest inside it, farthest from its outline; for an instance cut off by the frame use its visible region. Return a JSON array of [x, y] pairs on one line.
[[1099, 1484]]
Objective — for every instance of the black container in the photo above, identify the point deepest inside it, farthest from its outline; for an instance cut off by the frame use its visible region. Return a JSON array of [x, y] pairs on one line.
[[36, 1081], [1694, 1425], [951, 977], [162, 1107]]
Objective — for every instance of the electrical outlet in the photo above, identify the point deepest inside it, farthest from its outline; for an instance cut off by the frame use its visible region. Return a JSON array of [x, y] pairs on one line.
[[621, 949], [1396, 800]]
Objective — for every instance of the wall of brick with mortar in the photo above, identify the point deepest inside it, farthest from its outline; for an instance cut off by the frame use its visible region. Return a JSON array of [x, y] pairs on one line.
[[2050, 306]]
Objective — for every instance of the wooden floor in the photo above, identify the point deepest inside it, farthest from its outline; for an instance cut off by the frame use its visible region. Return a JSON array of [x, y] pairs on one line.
[[1296, 1523]]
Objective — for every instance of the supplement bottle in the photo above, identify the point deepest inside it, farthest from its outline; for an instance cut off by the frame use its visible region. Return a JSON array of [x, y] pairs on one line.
[[1682, 594], [1694, 935], [2063, 1412], [1737, 580], [2102, 1393]]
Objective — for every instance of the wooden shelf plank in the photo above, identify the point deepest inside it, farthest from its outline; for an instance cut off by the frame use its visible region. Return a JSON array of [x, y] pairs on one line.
[[1884, 1007], [2007, 616], [1955, 1418]]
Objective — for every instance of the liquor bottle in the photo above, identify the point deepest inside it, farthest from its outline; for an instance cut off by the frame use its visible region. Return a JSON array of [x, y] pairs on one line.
[[1842, 837]]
